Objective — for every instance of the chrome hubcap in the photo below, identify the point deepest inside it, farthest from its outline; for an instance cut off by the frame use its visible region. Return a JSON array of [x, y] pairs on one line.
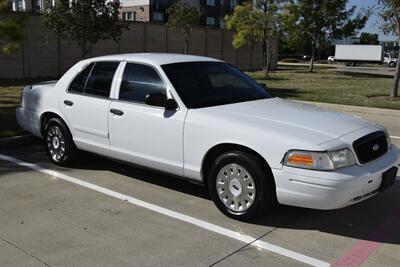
[[55, 143], [235, 187]]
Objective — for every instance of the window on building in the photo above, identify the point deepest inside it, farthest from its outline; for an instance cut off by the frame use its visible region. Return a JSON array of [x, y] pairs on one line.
[[221, 2], [210, 2], [222, 23], [210, 21], [20, 6], [158, 16], [36, 6], [139, 81], [129, 16], [233, 3]]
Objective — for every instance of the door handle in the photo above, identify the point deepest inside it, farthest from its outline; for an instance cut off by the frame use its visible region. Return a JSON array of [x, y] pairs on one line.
[[117, 112], [68, 103]]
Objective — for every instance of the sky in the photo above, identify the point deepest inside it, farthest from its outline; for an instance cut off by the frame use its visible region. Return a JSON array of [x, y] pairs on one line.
[[374, 21]]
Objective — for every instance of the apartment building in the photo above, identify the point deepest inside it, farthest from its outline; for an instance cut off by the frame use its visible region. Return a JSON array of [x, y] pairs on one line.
[[155, 10], [29, 5], [148, 10]]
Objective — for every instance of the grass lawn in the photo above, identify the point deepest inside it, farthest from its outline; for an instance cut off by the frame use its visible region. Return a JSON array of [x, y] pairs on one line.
[[295, 82], [10, 94]]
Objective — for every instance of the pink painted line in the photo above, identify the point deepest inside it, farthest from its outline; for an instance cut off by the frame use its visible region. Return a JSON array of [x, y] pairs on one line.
[[361, 251]]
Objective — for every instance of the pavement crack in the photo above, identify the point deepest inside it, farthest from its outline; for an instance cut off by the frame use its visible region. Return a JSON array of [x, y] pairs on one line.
[[244, 246], [258, 238], [25, 252]]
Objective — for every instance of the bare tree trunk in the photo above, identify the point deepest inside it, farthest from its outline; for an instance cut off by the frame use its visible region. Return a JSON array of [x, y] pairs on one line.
[[311, 69], [185, 50], [265, 51], [251, 57], [265, 57], [271, 54], [395, 89]]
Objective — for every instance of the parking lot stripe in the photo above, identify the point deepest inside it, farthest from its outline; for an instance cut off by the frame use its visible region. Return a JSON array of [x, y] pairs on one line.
[[395, 137], [176, 215]]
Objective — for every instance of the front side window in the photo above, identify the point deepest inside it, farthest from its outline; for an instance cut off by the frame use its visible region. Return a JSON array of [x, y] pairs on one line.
[[100, 79], [78, 84], [139, 81], [205, 84]]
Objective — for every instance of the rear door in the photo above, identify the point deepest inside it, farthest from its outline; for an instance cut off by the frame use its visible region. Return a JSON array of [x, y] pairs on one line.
[[86, 104]]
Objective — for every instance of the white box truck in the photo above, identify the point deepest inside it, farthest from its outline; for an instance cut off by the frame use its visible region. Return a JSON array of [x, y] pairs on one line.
[[352, 55]]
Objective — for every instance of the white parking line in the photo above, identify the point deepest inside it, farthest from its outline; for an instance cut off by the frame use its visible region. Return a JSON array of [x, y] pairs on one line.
[[179, 216], [395, 137]]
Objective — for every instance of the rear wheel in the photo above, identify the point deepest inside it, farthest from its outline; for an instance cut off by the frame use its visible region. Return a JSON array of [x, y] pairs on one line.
[[240, 185], [58, 142]]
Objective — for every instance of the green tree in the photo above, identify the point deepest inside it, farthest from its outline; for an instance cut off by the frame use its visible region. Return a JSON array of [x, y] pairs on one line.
[[248, 24], [182, 17], [12, 31], [321, 21], [369, 38], [270, 18], [390, 14], [85, 22]]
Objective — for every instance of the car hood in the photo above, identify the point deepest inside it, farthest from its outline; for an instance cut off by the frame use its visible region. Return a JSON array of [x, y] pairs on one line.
[[292, 118]]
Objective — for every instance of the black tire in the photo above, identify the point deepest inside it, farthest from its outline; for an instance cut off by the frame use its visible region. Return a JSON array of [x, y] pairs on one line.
[[65, 152], [392, 64], [265, 194]]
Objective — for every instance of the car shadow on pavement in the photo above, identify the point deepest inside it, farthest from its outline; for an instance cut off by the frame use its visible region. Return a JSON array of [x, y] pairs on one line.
[[376, 219]]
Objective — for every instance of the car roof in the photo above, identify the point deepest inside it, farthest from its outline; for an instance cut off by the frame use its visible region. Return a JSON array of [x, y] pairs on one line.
[[155, 58]]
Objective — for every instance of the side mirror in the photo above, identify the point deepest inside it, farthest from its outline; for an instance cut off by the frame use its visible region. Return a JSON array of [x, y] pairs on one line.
[[263, 85], [161, 100]]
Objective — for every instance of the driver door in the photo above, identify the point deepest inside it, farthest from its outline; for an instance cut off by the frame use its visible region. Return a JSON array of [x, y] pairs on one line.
[[146, 135]]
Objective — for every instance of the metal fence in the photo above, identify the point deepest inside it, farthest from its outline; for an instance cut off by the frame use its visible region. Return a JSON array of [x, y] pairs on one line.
[[42, 55]]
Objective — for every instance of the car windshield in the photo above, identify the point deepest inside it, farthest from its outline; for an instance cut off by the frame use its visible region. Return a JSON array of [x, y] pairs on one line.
[[205, 84]]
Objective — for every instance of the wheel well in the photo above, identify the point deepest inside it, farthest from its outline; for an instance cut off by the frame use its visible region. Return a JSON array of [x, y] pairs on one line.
[[45, 118], [218, 150]]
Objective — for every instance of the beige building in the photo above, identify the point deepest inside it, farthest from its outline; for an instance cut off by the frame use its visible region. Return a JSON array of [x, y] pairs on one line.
[[135, 10]]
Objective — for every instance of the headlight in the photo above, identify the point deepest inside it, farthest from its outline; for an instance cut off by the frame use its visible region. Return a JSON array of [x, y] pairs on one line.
[[322, 161]]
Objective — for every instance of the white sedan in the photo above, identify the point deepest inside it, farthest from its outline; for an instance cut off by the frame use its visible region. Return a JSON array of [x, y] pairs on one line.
[[203, 119]]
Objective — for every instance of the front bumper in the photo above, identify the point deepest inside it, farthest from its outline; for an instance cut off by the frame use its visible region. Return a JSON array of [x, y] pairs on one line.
[[336, 189]]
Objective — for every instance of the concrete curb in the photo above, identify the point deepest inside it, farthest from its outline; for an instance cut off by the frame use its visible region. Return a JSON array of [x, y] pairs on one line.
[[17, 141]]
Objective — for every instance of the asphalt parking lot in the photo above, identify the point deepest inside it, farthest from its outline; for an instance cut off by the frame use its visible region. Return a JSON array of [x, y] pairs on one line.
[[102, 213]]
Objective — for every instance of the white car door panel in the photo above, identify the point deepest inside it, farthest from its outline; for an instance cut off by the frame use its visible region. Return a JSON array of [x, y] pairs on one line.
[[145, 135], [86, 106]]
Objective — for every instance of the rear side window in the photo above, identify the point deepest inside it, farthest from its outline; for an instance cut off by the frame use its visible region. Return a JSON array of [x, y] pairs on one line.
[[78, 84], [100, 79], [138, 81]]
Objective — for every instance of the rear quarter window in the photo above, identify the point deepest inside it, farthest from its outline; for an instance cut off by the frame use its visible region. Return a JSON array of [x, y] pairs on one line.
[[78, 84]]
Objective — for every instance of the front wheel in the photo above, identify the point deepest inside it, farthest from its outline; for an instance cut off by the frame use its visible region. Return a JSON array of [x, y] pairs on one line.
[[58, 142], [241, 186], [392, 64]]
